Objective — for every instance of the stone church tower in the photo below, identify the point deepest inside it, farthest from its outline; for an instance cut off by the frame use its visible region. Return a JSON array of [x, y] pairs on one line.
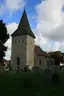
[[23, 45]]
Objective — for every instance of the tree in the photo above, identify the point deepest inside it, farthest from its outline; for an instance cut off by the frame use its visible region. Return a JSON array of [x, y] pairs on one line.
[[2, 51], [4, 36], [62, 58], [3, 32], [57, 57]]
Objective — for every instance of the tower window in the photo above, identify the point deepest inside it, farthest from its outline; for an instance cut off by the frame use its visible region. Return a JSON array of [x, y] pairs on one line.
[[18, 61], [39, 62]]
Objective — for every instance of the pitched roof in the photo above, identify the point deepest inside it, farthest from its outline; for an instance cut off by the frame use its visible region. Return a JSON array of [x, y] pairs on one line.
[[4, 60], [24, 27], [39, 51]]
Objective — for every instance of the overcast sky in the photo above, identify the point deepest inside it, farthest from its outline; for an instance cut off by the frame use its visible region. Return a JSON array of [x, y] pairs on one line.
[[46, 18]]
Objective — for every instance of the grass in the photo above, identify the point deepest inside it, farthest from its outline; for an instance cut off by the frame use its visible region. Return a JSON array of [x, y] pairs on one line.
[[12, 84]]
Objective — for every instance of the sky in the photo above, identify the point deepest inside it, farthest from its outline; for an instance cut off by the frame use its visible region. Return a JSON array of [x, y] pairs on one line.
[[46, 18]]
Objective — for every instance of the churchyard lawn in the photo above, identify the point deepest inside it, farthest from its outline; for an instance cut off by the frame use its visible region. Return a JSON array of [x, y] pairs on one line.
[[29, 84]]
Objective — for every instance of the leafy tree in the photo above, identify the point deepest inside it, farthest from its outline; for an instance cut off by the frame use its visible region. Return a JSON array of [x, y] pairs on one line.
[[2, 51], [3, 32], [57, 57], [62, 58], [4, 36]]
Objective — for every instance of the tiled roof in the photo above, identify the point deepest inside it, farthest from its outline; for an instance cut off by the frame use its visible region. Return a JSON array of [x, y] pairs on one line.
[[39, 51], [24, 27], [4, 60]]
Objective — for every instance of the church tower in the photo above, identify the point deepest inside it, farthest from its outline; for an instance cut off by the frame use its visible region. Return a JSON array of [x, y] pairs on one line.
[[23, 45]]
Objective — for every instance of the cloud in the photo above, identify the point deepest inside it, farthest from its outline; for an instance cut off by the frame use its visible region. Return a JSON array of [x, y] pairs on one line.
[[49, 45], [2, 9], [10, 28], [50, 25], [14, 5], [11, 6], [50, 19]]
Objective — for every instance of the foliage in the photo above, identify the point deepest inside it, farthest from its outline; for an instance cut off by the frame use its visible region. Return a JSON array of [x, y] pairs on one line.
[[2, 51], [57, 57], [3, 38], [3, 32]]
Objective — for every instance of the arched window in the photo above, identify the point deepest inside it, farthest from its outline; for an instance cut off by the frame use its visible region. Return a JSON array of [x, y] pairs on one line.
[[39, 62], [18, 60]]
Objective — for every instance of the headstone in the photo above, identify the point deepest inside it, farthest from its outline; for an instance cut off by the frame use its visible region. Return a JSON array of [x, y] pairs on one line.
[[35, 69], [55, 78], [47, 75], [25, 69], [62, 68]]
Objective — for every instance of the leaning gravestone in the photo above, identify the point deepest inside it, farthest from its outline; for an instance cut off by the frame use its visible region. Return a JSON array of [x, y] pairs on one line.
[[47, 76]]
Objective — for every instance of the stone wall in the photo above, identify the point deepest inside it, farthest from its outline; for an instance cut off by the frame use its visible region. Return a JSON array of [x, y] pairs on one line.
[[18, 50], [30, 51]]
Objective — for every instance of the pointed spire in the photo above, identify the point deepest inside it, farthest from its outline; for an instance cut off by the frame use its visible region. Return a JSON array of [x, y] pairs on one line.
[[24, 21], [24, 27]]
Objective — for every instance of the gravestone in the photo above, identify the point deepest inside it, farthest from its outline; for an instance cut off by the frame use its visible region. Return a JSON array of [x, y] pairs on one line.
[[25, 69], [36, 69], [47, 76], [55, 75], [55, 78]]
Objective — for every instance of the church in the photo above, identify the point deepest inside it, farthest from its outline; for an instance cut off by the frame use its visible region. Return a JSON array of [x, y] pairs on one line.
[[24, 51]]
